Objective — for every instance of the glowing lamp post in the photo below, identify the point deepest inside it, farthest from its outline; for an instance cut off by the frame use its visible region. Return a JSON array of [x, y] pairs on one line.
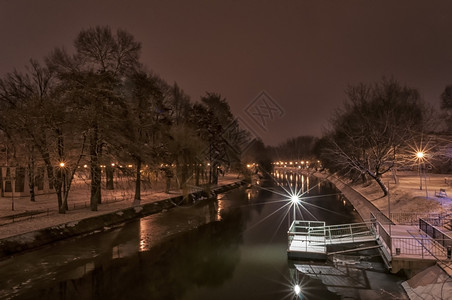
[[62, 166], [297, 289], [295, 200], [420, 158]]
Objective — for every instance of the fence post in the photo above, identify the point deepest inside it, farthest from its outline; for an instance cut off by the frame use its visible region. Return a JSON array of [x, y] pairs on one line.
[[390, 244], [422, 245]]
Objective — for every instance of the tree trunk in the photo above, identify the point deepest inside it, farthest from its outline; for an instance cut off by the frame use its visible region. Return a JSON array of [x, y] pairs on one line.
[[380, 183], [394, 175], [109, 172], [137, 198], [58, 190], [65, 190], [215, 174], [95, 171], [61, 182], [56, 182], [31, 179]]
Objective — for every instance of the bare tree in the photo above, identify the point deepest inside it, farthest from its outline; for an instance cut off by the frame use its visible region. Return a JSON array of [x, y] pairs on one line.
[[24, 98], [141, 121], [92, 78], [446, 105], [367, 134], [36, 119]]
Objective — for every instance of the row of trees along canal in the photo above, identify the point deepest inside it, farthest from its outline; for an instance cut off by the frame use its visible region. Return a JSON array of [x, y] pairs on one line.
[[100, 105], [379, 129]]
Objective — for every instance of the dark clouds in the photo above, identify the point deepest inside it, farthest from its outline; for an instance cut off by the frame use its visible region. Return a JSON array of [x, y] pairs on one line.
[[302, 53]]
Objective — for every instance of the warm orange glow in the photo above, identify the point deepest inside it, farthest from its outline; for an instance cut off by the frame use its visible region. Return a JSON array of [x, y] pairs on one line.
[[62, 164]]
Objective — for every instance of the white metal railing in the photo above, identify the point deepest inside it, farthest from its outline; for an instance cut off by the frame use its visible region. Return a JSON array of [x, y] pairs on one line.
[[301, 229], [310, 230], [316, 232]]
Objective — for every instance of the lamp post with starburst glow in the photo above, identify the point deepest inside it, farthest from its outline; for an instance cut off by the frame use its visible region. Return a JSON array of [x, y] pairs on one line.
[[295, 200], [420, 159]]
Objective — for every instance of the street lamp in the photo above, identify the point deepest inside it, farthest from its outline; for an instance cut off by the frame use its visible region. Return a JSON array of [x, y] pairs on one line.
[[297, 289], [295, 200], [420, 158], [63, 177]]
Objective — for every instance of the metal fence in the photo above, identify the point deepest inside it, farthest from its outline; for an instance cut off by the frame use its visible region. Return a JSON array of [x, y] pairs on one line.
[[435, 244], [438, 235], [313, 230], [422, 247], [385, 237], [22, 216]]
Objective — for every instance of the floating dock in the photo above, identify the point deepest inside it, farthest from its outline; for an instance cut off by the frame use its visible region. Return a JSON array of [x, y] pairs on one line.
[[309, 239]]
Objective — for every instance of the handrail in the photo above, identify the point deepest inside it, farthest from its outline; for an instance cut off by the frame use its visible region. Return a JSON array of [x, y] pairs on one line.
[[331, 232], [441, 237], [436, 246]]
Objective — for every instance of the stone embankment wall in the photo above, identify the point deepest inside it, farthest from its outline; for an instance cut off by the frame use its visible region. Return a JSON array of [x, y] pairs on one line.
[[34, 239]]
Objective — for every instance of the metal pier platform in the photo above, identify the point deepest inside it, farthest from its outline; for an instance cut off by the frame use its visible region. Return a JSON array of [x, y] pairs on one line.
[[309, 239]]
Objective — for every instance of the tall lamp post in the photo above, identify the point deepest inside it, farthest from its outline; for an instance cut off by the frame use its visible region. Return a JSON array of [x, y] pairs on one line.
[[63, 175], [420, 158], [295, 200]]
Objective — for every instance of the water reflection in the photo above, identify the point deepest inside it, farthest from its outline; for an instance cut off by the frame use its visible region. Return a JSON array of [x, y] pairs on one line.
[[347, 278]]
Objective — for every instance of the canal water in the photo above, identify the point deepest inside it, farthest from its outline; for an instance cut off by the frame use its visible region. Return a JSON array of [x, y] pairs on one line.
[[230, 248]]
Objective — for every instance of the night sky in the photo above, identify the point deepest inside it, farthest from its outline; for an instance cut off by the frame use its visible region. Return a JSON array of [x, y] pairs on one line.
[[296, 56]]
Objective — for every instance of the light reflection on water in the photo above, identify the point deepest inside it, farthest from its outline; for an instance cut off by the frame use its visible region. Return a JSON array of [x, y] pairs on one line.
[[220, 209]]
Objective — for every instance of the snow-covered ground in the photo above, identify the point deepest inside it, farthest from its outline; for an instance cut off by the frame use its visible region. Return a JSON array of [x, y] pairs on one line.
[[406, 195]]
